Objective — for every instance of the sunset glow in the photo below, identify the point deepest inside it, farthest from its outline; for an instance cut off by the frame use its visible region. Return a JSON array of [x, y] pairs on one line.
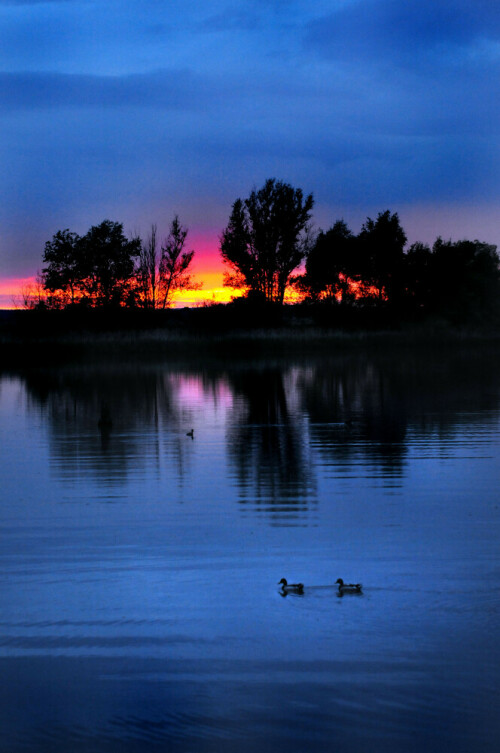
[[11, 290], [213, 291], [211, 277], [112, 111]]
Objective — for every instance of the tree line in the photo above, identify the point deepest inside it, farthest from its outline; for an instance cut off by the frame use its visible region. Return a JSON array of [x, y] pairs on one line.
[[269, 235], [269, 249], [104, 269]]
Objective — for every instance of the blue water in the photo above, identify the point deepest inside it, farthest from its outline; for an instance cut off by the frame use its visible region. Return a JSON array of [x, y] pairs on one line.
[[140, 609]]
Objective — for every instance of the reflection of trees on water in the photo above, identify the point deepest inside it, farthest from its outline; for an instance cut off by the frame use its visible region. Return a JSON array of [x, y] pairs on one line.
[[350, 410], [355, 410], [372, 407], [101, 420], [266, 442]]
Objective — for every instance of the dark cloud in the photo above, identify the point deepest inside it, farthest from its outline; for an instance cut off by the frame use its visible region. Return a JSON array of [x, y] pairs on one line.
[[110, 108], [172, 89], [38, 2], [243, 19], [408, 33], [240, 94]]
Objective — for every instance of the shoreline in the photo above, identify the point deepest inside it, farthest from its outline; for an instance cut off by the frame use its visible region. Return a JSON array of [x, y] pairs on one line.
[[53, 348], [48, 338]]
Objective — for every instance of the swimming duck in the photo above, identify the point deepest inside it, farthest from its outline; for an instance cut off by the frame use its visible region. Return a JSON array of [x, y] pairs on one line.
[[297, 588], [344, 588]]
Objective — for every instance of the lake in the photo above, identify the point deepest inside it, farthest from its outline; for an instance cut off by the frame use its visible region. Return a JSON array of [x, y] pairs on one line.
[[139, 566]]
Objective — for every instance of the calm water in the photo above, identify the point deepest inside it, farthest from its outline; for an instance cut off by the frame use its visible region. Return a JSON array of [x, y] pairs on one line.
[[138, 567]]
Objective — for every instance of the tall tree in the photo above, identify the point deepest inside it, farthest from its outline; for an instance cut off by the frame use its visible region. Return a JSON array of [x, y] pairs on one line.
[[147, 270], [61, 274], [418, 277], [330, 263], [266, 239], [106, 263], [381, 254], [465, 280], [174, 265]]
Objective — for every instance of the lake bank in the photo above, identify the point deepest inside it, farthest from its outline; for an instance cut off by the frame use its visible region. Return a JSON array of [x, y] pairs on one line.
[[30, 338]]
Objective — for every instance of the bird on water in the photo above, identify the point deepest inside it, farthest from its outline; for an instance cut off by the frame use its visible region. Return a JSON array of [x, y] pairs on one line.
[[346, 588], [286, 587]]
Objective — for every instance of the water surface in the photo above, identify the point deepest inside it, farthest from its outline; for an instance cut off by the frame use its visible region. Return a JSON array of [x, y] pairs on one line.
[[139, 602]]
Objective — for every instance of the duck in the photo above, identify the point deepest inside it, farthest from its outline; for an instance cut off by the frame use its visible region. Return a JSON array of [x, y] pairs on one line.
[[297, 588], [190, 434], [344, 588]]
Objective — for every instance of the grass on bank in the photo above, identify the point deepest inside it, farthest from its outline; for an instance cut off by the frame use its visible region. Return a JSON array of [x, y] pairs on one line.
[[37, 337]]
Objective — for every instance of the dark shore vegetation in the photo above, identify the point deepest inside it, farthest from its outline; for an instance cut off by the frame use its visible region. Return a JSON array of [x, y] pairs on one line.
[[38, 338]]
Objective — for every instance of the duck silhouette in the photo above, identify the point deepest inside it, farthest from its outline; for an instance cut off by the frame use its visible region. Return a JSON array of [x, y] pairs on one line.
[[346, 588], [286, 587]]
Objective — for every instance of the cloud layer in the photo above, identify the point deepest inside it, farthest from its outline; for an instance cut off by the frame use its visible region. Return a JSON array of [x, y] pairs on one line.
[[135, 110]]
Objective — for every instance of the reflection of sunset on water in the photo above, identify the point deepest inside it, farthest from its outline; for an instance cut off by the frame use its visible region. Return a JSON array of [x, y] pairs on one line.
[[194, 390], [140, 563]]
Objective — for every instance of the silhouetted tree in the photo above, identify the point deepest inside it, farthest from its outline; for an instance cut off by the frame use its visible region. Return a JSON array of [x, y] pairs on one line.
[[61, 277], [33, 296], [106, 261], [458, 281], [104, 268], [418, 277], [330, 263], [174, 265], [465, 279], [266, 239], [381, 244], [147, 273]]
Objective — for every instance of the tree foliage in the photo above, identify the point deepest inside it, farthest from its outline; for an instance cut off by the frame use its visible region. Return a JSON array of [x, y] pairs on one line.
[[174, 265], [103, 268], [107, 264], [342, 266], [33, 296], [381, 257], [458, 281], [97, 269], [329, 264], [266, 239], [147, 273], [61, 276]]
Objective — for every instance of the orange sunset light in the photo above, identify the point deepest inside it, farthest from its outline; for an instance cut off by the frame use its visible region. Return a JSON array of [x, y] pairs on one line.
[[10, 290], [212, 291]]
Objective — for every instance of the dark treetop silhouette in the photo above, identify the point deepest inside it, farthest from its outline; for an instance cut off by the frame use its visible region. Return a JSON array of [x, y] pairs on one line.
[[367, 280], [103, 268], [266, 239]]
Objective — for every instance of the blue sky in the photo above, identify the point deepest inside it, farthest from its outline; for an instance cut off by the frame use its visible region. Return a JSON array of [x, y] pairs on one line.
[[135, 110]]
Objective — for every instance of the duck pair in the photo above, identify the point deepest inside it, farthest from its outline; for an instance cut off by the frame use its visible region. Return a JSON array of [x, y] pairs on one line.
[[298, 588]]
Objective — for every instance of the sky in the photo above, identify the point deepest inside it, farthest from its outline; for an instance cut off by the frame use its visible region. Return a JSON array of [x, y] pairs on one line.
[[134, 110]]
